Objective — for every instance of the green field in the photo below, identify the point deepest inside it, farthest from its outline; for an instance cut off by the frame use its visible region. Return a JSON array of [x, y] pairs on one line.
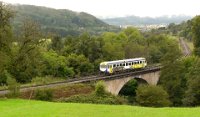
[[26, 108]]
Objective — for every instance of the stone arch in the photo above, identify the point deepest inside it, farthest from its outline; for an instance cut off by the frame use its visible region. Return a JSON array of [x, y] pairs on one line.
[[141, 80], [115, 85], [130, 89]]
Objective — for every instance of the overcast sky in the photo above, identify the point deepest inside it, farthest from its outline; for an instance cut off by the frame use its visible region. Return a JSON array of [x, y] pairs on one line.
[[114, 8]]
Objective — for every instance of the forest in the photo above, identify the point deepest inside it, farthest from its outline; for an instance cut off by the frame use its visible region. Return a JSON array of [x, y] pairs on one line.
[[62, 22]]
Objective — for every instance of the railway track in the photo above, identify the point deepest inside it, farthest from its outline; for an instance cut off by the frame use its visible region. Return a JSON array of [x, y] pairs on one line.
[[185, 48], [88, 79]]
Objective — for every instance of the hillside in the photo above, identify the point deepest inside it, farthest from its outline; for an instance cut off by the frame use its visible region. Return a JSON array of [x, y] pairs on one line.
[[63, 22], [135, 20], [28, 108]]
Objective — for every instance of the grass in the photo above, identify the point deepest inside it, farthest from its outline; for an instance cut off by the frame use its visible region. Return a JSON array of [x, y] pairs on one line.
[[27, 108]]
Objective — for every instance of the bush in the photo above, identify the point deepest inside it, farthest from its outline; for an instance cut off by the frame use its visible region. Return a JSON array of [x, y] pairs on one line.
[[92, 98], [153, 96], [44, 94], [100, 96], [13, 86], [100, 89]]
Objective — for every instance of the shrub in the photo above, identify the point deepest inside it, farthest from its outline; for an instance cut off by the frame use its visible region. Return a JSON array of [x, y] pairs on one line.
[[100, 89], [92, 98], [44, 94], [13, 86], [153, 96], [100, 96]]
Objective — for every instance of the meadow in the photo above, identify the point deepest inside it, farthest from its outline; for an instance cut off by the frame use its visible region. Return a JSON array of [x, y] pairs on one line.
[[31, 108]]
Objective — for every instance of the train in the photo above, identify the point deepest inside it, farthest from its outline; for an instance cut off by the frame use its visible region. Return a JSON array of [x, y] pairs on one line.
[[111, 67]]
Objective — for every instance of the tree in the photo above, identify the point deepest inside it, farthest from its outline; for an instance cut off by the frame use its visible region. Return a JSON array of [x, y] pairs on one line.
[[154, 96], [134, 35], [80, 64], [90, 47], [6, 14], [155, 54], [113, 47], [26, 55], [160, 47], [193, 92], [57, 44], [172, 75], [69, 45], [173, 28], [196, 34], [56, 65], [134, 50], [174, 78]]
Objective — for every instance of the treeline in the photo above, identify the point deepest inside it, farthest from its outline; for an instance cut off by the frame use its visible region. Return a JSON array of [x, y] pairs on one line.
[[180, 76], [183, 29], [31, 53]]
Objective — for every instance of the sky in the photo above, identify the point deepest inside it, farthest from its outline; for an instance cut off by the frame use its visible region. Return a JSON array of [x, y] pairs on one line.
[[120, 8]]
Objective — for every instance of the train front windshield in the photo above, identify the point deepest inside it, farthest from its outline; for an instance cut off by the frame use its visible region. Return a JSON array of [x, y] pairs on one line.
[[103, 66]]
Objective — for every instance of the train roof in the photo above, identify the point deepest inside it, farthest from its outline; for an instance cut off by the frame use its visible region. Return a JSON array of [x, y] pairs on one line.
[[124, 60]]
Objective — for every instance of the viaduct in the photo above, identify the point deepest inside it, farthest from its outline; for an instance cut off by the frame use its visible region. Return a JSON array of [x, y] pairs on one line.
[[114, 85]]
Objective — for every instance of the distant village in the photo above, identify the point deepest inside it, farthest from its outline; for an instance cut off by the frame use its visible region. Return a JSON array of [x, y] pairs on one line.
[[145, 27]]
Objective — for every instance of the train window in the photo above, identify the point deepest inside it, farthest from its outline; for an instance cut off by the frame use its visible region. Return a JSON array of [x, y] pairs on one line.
[[117, 65], [132, 63], [120, 64], [126, 64], [123, 64], [129, 63], [114, 65]]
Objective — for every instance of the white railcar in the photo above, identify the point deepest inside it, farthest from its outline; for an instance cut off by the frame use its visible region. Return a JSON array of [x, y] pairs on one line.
[[119, 65]]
